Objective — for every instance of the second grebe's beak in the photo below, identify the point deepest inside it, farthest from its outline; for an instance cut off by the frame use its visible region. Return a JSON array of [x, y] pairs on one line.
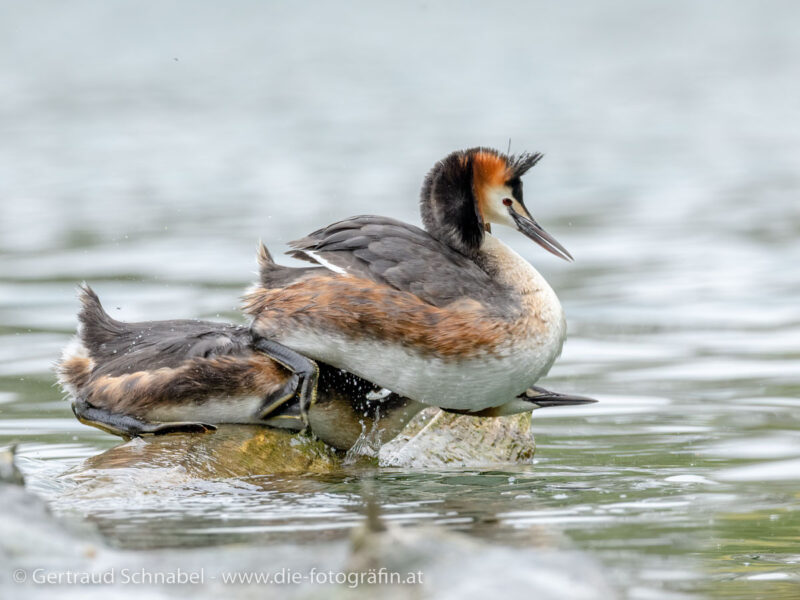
[[528, 225]]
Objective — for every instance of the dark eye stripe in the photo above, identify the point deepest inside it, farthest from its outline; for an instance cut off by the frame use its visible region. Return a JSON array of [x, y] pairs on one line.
[[516, 188]]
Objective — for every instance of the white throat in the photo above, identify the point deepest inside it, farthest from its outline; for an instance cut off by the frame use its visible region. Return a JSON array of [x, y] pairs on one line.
[[513, 270]]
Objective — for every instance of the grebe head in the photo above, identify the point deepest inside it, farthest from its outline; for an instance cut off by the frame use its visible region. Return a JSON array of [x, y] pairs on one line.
[[470, 189]]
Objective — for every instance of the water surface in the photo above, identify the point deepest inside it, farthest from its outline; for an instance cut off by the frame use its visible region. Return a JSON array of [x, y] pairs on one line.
[[146, 149]]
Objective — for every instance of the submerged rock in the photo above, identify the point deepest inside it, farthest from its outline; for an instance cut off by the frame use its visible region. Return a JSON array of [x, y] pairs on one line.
[[432, 439], [172, 466], [230, 452]]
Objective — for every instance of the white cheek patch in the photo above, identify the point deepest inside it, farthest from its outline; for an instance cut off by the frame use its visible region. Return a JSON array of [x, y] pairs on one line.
[[494, 209]]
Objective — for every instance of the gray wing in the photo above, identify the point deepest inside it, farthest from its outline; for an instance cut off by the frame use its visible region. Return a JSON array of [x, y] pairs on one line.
[[158, 344], [118, 347], [400, 255]]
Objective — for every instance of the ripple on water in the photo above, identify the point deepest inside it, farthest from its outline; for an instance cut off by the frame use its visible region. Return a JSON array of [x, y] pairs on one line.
[[682, 303], [776, 470], [777, 445]]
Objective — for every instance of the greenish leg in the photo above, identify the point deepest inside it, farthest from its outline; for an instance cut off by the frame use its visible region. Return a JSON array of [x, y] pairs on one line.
[[303, 367], [127, 426]]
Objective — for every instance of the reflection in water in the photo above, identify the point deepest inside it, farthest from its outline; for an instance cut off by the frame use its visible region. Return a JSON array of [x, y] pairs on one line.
[[426, 560], [147, 151]]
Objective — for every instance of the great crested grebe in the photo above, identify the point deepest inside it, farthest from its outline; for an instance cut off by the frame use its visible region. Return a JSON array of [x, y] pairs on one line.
[[448, 316], [160, 377]]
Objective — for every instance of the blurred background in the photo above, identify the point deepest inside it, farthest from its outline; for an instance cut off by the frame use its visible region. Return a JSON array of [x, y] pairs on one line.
[[147, 147]]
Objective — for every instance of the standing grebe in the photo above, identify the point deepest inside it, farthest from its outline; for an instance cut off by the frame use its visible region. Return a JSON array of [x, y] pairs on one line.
[[448, 316]]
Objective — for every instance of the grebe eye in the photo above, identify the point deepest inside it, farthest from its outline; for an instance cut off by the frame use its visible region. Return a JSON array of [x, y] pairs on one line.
[[508, 201]]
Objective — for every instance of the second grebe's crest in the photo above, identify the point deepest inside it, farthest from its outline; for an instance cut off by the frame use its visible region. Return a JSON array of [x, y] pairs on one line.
[[470, 189]]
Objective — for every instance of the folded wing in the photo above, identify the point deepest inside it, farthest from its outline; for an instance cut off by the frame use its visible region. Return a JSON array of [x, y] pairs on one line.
[[402, 256]]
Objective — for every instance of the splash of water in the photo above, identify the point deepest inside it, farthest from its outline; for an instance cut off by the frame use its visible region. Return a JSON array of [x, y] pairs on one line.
[[368, 443]]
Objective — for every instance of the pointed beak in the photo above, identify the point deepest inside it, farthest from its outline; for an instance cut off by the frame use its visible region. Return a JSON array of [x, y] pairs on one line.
[[544, 398], [528, 225]]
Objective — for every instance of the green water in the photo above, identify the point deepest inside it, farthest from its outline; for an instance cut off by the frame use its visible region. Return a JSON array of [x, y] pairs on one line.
[[141, 157]]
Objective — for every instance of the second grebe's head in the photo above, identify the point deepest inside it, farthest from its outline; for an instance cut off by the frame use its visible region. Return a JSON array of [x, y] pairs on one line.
[[470, 189]]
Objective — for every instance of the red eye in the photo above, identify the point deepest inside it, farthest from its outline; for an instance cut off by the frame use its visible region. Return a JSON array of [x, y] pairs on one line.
[[508, 201]]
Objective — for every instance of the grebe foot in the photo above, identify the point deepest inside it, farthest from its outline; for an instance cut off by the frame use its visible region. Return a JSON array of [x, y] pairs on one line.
[[287, 416], [277, 401], [544, 398], [127, 426], [305, 368]]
